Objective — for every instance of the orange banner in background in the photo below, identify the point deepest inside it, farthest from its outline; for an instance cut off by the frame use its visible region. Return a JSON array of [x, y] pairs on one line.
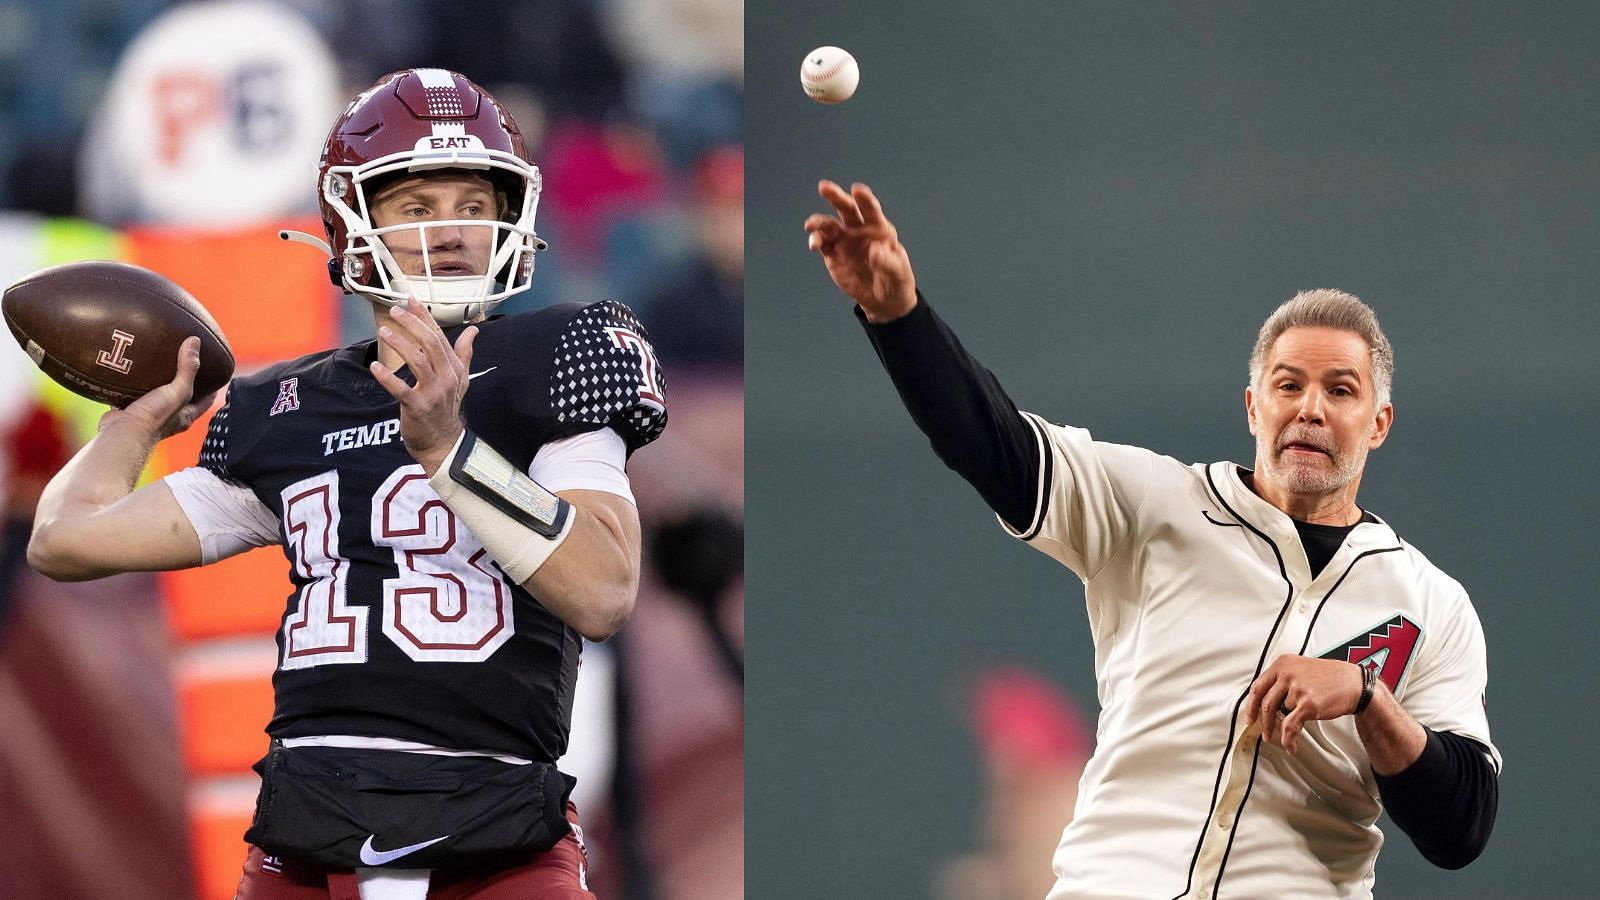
[[272, 298]]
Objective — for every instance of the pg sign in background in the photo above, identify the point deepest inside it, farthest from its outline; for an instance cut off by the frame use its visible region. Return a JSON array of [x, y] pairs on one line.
[[215, 116]]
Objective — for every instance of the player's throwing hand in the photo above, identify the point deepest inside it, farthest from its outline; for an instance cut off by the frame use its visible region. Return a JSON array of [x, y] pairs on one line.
[[863, 252], [430, 412], [172, 407]]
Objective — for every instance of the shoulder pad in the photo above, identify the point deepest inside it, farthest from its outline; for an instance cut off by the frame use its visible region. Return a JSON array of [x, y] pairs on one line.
[[606, 373]]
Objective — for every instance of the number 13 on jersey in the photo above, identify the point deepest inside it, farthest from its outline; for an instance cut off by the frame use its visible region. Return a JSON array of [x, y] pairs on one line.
[[446, 602]]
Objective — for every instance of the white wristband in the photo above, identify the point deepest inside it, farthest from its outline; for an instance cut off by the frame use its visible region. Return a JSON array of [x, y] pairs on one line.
[[519, 522]]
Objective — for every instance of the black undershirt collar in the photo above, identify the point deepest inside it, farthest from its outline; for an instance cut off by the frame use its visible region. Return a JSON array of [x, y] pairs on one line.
[[1321, 542]]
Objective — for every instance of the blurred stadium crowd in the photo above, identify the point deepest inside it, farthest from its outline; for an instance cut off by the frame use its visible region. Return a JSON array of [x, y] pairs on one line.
[[153, 131]]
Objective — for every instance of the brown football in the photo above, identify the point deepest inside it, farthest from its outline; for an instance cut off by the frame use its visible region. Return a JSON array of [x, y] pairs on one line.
[[111, 331]]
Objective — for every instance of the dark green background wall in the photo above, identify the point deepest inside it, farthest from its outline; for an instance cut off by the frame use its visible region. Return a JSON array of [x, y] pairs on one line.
[[1106, 199]]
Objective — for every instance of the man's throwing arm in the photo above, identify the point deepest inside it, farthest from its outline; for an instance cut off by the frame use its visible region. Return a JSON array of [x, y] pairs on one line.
[[958, 404], [972, 424], [91, 522]]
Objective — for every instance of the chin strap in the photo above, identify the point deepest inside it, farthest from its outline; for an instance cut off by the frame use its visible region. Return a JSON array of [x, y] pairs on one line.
[[300, 237], [310, 240]]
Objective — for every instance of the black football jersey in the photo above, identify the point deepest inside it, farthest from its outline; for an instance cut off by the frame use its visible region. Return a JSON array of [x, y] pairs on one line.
[[400, 624]]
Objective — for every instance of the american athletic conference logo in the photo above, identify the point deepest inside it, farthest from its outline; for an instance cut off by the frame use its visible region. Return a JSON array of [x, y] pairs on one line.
[[288, 397]]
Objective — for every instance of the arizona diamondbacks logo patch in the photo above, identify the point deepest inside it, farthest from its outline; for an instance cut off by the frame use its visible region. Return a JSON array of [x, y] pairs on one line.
[[1387, 649]]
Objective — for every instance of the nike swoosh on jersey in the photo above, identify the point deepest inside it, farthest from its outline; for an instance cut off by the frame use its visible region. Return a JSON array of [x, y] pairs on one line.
[[374, 857], [484, 372]]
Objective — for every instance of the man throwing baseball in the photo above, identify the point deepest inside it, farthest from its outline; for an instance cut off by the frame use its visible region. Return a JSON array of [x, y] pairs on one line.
[[1275, 665]]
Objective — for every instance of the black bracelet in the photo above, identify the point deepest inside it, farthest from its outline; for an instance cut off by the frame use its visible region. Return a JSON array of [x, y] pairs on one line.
[[1369, 680]]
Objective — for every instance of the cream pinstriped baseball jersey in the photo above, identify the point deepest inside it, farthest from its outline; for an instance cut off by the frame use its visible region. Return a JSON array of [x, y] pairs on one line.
[[1194, 585]]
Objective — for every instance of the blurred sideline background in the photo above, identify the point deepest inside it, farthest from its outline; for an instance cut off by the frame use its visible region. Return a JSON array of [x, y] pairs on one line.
[[180, 137], [1105, 200]]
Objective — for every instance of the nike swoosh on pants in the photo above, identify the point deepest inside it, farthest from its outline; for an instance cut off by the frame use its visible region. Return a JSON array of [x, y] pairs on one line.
[[374, 857]]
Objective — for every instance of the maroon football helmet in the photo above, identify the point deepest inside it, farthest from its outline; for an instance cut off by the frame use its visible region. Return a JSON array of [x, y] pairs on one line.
[[416, 121]]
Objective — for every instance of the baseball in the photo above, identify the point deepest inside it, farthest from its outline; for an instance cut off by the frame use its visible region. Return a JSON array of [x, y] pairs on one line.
[[829, 75]]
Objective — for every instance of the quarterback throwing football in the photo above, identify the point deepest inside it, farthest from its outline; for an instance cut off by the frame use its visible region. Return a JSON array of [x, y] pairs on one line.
[[452, 501]]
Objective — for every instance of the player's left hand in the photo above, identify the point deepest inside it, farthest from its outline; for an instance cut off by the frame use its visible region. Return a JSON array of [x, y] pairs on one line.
[[1310, 689], [430, 412]]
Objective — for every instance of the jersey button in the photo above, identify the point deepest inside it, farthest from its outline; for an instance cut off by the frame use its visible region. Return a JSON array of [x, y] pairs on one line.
[[1202, 895], [1223, 819]]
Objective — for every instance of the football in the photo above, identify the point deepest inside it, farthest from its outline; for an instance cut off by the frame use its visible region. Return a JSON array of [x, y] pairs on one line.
[[110, 331]]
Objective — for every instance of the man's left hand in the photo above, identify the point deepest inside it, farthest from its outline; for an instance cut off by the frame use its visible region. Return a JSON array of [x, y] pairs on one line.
[[1295, 690], [430, 412]]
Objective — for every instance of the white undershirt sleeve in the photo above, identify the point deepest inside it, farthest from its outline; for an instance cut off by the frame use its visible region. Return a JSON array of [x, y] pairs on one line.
[[227, 516], [593, 461], [230, 519]]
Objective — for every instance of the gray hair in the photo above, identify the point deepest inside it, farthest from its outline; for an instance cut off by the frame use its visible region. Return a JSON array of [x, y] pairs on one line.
[[1327, 308]]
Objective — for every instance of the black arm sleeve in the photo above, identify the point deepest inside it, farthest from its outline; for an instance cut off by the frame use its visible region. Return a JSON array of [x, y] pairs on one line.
[[973, 426], [1446, 800]]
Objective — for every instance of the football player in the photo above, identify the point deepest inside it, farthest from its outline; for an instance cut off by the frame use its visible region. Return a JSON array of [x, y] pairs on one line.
[[452, 501]]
